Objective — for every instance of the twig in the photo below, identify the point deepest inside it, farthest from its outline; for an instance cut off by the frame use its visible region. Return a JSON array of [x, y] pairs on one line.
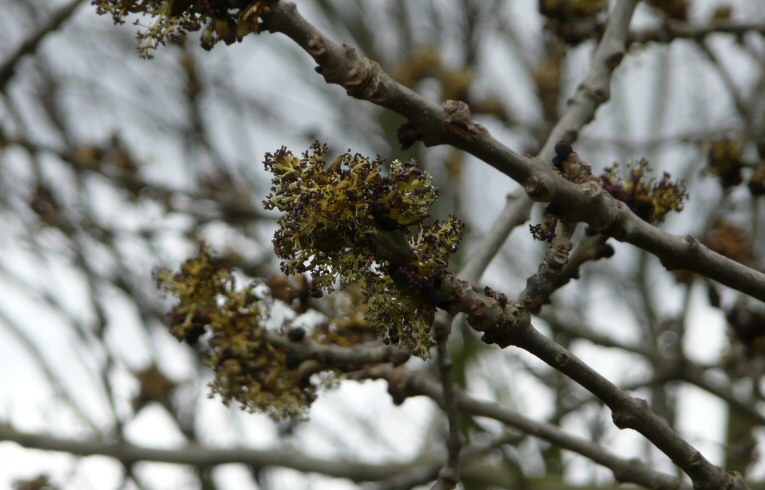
[[515, 213], [540, 286], [671, 30], [338, 357], [411, 383], [30, 45], [595, 88], [195, 455], [592, 92], [449, 475]]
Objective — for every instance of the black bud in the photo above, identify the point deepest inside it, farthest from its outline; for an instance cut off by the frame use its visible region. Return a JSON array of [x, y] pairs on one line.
[[193, 334], [488, 338], [714, 296], [563, 149], [296, 334], [553, 209], [292, 361], [605, 251], [408, 134]]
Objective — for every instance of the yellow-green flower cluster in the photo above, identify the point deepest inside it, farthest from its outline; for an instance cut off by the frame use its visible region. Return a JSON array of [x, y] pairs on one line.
[[648, 198], [223, 20], [725, 159], [226, 323], [333, 217]]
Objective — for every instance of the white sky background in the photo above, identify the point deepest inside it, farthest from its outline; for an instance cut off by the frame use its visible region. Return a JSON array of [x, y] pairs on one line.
[[256, 66]]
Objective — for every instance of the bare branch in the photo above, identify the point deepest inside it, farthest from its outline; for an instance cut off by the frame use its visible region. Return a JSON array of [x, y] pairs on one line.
[[410, 383], [515, 213], [30, 45], [448, 477], [595, 88], [509, 324], [201, 456], [672, 29]]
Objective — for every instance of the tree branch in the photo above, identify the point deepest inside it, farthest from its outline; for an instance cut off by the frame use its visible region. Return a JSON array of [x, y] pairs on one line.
[[194, 455], [595, 89], [30, 44], [672, 29], [510, 324], [450, 123], [410, 383], [515, 213], [448, 477]]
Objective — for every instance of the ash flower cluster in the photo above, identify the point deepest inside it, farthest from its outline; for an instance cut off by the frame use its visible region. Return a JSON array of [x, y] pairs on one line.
[[648, 198], [221, 20], [332, 218], [725, 160], [226, 324]]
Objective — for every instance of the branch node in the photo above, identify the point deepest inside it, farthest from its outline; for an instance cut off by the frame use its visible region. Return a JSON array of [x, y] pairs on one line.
[[622, 419], [349, 51], [591, 189], [376, 90], [408, 134], [562, 359], [614, 60], [558, 256], [536, 189], [358, 79], [458, 120], [597, 95], [695, 248], [317, 46], [397, 386], [476, 308]]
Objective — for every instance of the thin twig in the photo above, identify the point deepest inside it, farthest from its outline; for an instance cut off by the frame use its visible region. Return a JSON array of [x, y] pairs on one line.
[[744, 108], [411, 383], [671, 30], [540, 286], [449, 475], [595, 88], [30, 44], [195, 455], [515, 213]]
